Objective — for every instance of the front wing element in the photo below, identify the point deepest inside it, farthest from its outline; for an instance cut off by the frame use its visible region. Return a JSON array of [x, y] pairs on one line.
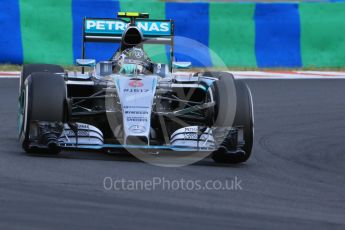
[[84, 136]]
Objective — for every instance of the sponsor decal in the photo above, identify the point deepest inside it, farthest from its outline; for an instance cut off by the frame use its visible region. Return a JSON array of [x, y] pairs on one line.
[[137, 112], [136, 83], [117, 27], [191, 129], [137, 119], [135, 107], [137, 129], [191, 136], [135, 90], [81, 133], [83, 126]]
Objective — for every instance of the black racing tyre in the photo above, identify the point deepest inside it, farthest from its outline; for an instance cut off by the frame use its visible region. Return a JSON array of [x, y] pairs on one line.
[[43, 98], [225, 98], [245, 116], [233, 114], [34, 68], [223, 93]]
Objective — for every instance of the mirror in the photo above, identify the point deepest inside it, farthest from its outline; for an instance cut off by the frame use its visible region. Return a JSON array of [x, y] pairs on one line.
[[182, 65], [86, 62]]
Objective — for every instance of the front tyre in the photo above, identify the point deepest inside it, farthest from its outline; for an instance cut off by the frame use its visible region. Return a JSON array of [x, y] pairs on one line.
[[238, 115], [244, 121], [245, 116], [29, 69], [43, 98]]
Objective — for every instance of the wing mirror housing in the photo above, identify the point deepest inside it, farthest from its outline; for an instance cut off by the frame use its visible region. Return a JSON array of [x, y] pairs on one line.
[[182, 65], [86, 62]]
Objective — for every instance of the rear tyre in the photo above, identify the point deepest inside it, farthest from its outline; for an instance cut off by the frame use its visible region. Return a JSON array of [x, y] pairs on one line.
[[43, 98]]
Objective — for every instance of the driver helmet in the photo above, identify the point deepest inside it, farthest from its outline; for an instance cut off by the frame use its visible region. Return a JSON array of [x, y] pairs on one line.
[[133, 61]]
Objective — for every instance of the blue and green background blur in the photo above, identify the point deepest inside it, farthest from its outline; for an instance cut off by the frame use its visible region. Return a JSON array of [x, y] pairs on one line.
[[248, 35]]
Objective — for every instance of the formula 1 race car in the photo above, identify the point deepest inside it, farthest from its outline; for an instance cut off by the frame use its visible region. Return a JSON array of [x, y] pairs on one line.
[[130, 102]]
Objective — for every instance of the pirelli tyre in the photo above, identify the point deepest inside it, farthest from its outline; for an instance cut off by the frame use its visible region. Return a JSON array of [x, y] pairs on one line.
[[238, 114], [244, 118], [43, 98], [34, 68]]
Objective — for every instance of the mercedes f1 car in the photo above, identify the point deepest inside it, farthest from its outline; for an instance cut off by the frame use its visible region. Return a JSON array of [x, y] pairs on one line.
[[130, 102]]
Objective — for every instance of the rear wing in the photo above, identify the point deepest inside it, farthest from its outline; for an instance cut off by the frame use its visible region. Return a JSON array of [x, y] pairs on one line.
[[111, 30]]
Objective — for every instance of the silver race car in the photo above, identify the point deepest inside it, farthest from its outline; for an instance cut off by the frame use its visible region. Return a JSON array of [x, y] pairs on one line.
[[128, 102]]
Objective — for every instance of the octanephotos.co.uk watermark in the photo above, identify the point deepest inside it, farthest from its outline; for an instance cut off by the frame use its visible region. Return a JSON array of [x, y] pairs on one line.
[[162, 183]]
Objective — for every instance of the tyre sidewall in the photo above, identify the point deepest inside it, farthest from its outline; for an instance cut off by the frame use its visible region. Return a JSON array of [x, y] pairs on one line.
[[44, 100]]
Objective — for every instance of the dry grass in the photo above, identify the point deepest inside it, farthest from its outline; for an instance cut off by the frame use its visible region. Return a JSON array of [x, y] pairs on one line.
[[7, 67], [10, 67]]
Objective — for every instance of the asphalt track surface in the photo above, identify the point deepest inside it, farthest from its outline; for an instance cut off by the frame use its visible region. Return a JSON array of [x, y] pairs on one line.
[[294, 180]]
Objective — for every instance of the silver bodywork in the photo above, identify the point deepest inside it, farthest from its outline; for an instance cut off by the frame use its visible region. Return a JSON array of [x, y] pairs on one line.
[[136, 97]]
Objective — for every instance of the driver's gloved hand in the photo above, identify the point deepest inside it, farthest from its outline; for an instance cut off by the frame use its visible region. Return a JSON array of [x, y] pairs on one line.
[[128, 69]]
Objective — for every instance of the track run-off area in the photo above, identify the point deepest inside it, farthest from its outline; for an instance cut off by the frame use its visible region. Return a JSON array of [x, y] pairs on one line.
[[294, 180]]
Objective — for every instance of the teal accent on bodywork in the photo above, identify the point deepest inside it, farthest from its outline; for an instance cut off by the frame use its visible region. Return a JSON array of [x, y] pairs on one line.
[[128, 69], [206, 84], [118, 84], [154, 84], [203, 88]]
